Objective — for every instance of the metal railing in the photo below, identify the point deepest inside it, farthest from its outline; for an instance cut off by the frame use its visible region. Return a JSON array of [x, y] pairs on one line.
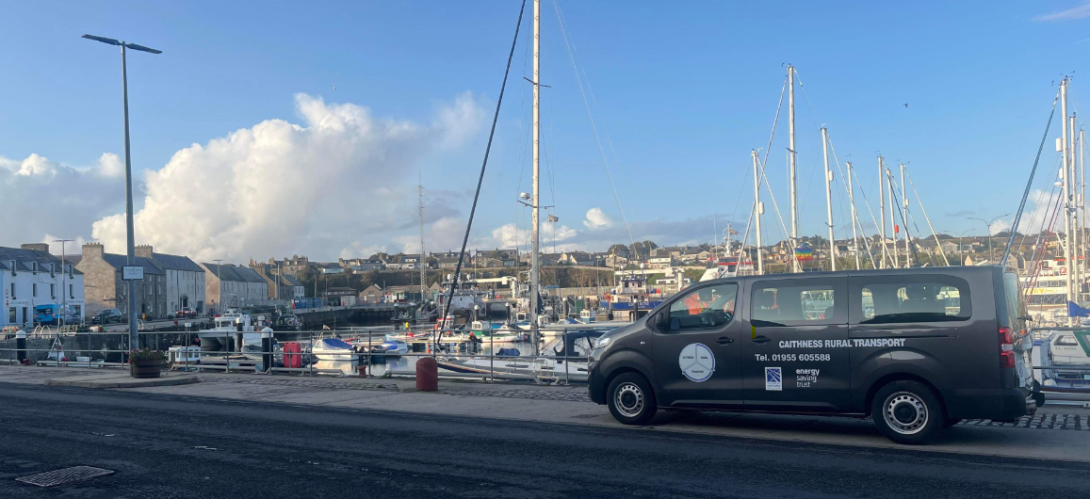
[[245, 351]]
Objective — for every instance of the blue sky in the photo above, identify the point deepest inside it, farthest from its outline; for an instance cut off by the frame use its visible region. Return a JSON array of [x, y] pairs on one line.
[[684, 91]]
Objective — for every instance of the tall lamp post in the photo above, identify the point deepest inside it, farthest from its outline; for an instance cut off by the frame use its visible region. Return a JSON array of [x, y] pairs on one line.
[[134, 338], [961, 249], [64, 282], [991, 254]]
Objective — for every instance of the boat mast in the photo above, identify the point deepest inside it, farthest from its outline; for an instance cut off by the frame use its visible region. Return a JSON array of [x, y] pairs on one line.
[[535, 269], [1067, 188], [423, 257], [882, 209], [758, 209], [892, 220], [904, 219], [829, 197], [1076, 200], [792, 160], [851, 201], [1082, 190]]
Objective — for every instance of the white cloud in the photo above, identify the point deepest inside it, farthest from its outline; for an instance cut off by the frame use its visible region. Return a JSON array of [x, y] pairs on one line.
[[334, 184], [1079, 12], [110, 165], [597, 219], [42, 199], [73, 247]]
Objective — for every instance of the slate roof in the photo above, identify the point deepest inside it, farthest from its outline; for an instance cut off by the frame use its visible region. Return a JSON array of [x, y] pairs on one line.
[[290, 279], [234, 273], [23, 258], [175, 262], [118, 261]]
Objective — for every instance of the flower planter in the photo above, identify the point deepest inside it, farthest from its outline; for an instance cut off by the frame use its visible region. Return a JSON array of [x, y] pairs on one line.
[[146, 368]]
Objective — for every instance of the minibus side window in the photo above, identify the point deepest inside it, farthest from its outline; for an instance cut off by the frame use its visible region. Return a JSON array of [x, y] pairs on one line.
[[707, 307], [794, 304], [906, 299]]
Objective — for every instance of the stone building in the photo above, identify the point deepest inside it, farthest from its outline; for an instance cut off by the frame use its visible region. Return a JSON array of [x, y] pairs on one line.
[[295, 265], [184, 280], [104, 288], [281, 287], [231, 286]]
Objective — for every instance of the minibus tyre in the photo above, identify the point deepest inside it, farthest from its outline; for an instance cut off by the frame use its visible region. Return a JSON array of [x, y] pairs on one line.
[[907, 412], [630, 399]]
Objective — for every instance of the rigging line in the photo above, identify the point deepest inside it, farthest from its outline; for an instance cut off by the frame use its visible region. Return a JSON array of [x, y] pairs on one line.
[[771, 136], [601, 151], [844, 182], [1037, 206], [522, 145], [866, 202], [1029, 184], [609, 140], [894, 198], [776, 207], [1039, 251], [924, 210], [480, 179]]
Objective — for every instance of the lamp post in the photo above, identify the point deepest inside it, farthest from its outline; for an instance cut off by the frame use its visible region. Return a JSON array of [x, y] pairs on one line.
[[961, 250], [64, 282], [134, 338], [991, 254]]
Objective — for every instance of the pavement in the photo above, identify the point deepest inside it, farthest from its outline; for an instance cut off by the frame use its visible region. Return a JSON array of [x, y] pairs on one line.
[[1055, 433], [172, 445]]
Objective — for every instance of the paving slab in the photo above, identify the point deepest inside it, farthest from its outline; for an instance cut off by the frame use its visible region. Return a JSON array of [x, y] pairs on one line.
[[118, 380]]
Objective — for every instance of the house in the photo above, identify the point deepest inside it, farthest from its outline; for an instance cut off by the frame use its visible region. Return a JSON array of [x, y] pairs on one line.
[[661, 262], [281, 287], [450, 263], [404, 262], [358, 265], [184, 279], [30, 277], [294, 266], [372, 294], [297, 288], [104, 288], [230, 286]]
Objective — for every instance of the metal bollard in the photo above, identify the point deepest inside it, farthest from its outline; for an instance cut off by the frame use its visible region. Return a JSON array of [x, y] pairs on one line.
[[20, 346], [266, 349]]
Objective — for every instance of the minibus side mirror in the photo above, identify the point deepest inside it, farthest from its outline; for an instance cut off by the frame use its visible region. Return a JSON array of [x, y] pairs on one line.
[[675, 324]]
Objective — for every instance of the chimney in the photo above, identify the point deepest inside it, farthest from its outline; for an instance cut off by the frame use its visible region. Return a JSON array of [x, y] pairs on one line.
[[144, 250], [93, 250], [36, 247]]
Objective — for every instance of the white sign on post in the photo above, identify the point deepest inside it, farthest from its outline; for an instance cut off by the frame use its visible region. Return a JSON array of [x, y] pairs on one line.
[[132, 273]]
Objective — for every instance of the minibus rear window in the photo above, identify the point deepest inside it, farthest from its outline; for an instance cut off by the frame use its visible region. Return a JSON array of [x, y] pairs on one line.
[[892, 300]]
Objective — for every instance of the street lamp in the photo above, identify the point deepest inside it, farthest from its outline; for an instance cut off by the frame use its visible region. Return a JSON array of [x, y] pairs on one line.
[[64, 287], [134, 338], [991, 254], [961, 249]]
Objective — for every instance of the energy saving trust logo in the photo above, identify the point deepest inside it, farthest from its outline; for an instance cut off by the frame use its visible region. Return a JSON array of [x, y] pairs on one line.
[[697, 362], [773, 379]]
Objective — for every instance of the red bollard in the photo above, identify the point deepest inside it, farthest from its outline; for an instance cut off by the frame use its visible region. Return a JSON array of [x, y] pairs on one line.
[[427, 375]]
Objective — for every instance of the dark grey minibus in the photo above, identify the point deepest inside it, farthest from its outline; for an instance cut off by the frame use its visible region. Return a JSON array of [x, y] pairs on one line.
[[916, 350]]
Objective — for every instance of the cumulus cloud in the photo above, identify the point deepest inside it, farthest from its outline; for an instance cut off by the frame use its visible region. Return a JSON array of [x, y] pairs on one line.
[[334, 184], [1079, 12], [43, 200], [597, 219]]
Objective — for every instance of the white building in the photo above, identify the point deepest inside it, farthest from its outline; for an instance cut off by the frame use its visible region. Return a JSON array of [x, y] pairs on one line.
[[32, 278], [184, 280]]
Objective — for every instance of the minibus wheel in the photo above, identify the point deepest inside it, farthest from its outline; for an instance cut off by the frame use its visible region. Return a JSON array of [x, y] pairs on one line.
[[631, 400], [907, 412]]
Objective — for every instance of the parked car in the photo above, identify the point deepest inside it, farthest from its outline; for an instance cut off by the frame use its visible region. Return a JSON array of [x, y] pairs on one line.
[[110, 315], [185, 313], [915, 350]]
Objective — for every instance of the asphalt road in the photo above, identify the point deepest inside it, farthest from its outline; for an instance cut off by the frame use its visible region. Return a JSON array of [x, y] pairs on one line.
[[187, 447]]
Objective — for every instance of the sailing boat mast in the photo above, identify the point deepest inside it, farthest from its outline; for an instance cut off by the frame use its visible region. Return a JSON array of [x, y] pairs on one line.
[[1067, 188], [829, 197], [535, 269], [758, 209], [882, 208], [423, 254], [792, 162], [904, 219], [892, 220], [851, 201]]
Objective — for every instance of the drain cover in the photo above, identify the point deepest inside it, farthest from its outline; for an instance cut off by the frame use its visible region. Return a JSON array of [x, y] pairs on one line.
[[67, 475]]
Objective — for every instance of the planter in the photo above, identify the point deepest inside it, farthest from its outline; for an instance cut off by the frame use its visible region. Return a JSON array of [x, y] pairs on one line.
[[146, 368]]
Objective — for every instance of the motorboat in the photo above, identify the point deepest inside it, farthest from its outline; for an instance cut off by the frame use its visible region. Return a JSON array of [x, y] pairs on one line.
[[564, 359], [391, 347], [334, 349]]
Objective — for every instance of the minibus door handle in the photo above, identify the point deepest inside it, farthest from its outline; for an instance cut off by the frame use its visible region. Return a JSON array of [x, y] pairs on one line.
[[761, 339], [724, 340]]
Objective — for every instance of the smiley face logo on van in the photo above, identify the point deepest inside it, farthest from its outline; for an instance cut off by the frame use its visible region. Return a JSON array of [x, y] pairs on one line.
[[697, 362]]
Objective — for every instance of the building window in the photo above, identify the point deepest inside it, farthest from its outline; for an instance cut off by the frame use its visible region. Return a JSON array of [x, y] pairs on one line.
[[34, 290], [71, 292], [53, 291], [13, 297]]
